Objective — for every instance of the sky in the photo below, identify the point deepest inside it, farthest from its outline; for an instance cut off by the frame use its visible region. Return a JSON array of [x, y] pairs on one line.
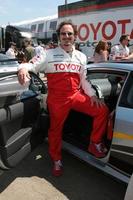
[[13, 11]]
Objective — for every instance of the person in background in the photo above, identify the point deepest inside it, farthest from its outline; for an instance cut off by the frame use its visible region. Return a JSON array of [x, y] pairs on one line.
[[77, 46], [39, 49], [109, 48], [121, 50], [101, 52], [65, 68], [29, 50], [128, 57], [12, 51], [51, 45]]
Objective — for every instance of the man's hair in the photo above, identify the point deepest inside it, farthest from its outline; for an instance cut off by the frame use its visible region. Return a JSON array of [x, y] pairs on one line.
[[12, 44], [102, 45], [123, 37], [67, 22]]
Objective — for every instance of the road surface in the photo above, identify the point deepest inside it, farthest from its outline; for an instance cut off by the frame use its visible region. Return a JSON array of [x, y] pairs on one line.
[[32, 180]]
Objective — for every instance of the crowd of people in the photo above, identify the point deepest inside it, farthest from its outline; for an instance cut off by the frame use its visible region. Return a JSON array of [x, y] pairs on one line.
[[12, 51], [26, 52], [104, 51]]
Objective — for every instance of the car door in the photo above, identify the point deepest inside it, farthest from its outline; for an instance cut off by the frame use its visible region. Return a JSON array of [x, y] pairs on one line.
[[20, 116], [122, 144], [108, 86]]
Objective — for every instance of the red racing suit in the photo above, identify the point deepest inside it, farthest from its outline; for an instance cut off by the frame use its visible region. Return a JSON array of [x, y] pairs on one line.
[[68, 89]]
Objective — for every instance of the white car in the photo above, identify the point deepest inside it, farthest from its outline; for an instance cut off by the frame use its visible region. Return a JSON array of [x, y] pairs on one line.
[[24, 119]]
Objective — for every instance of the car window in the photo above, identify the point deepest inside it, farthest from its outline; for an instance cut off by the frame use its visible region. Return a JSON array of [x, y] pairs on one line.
[[11, 90], [108, 76], [127, 97], [107, 85], [130, 96]]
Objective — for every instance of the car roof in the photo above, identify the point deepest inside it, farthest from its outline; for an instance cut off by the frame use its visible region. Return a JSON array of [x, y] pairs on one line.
[[121, 65]]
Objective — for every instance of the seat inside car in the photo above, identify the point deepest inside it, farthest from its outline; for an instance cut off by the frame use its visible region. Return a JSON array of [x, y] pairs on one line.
[[19, 122]]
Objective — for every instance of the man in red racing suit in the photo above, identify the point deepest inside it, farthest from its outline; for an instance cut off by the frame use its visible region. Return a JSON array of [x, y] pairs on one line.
[[65, 68]]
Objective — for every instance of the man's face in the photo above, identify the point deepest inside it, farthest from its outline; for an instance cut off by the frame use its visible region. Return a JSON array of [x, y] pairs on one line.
[[13, 47], [126, 41], [67, 37]]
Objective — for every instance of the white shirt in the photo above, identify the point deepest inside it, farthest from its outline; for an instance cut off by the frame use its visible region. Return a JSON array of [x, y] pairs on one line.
[[118, 51], [10, 52], [39, 50]]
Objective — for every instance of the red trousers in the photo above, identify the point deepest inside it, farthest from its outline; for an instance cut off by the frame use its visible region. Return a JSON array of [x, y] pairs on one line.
[[59, 109]]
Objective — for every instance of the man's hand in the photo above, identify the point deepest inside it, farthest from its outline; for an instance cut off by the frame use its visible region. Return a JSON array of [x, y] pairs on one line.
[[96, 101], [23, 76]]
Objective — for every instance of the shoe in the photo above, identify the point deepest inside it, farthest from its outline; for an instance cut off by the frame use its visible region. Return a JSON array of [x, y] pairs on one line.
[[57, 168], [98, 150]]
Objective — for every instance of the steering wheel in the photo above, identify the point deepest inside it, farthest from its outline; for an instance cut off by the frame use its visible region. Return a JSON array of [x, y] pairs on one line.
[[36, 84]]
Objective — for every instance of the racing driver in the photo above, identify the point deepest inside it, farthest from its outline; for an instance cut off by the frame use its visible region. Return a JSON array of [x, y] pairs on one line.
[[68, 89]]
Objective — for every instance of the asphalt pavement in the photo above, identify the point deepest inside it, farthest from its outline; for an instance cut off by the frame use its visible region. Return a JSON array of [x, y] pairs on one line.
[[32, 180]]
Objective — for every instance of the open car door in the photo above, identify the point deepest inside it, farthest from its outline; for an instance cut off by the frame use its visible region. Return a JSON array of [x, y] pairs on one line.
[[20, 113]]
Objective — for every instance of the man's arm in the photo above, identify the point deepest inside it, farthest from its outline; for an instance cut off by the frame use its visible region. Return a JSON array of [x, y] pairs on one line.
[[35, 65], [128, 57], [23, 75], [88, 89]]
